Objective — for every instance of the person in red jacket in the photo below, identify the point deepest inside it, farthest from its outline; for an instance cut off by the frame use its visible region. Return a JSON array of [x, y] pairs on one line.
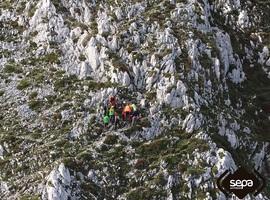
[[112, 101]]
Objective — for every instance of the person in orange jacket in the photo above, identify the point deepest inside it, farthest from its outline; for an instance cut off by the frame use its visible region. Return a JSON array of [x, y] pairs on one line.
[[126, 112]]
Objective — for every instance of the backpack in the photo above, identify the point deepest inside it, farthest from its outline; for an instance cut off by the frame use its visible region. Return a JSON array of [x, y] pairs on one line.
[[134, 107]]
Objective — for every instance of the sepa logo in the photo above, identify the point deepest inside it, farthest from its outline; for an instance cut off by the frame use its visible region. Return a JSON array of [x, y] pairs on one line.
[[241, 183]]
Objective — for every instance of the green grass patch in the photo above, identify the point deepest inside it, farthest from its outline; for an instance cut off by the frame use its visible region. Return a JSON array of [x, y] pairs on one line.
[[111, 139], [36, 135], [195, 171], [66, 81], [51, 58], [144, 122], [32, 10], [12, 67], [93, 85], [59, 6], [239, 155], [187, 146], [82, 57], [30, 197], [23, 84], [154, 147], [84, 156], [6, 5], [150, 96], [5, 53], [141, 193], [38, 75], [35, 104], [33, 95], [73, 23], [267, 188], [133, 129], [169, 112], [2, 92], [205, 61], [141, 164]]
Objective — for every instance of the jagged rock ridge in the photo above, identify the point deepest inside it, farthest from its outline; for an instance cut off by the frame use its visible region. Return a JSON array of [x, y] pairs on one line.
[[199, 71]]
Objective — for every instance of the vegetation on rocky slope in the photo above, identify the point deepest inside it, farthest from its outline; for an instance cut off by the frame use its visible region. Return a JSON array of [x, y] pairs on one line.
[[198, 71]]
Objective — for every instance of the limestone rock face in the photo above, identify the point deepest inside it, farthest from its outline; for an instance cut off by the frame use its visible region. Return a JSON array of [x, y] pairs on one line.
[[58, 184], [198, 72]]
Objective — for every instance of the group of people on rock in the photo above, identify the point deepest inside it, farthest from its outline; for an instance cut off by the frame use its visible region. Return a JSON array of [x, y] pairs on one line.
[[112, 108]]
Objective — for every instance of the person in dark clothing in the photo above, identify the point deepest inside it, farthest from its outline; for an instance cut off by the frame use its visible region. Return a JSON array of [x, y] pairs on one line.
[[105, 107], [116, 120]]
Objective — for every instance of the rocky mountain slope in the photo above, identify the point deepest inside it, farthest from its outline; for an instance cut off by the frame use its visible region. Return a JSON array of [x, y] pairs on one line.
[[199, 71]]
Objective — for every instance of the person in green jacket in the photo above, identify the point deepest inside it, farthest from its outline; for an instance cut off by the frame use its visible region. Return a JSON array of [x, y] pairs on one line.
[[135, 111], [111, 114], [134, 107], [134, 114], [106, 120]]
